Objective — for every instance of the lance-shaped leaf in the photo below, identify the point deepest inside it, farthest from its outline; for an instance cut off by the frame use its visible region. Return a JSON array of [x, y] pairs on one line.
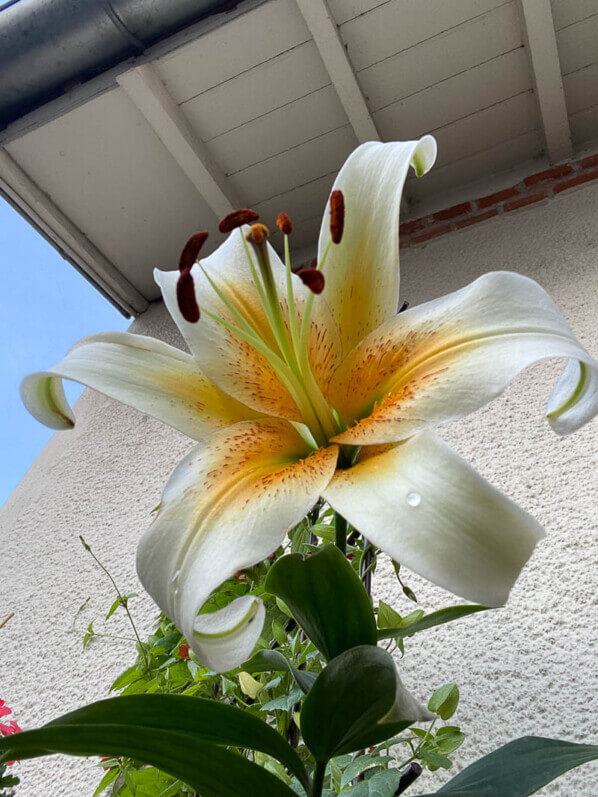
[[194, 720], [274, 661], [211, 770], [357, 701], [519, 768], [326, 598], [431, 620]]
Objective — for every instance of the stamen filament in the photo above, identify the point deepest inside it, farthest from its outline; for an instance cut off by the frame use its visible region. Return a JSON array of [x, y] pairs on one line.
[[284, 373], [293, 325], [307, 311]]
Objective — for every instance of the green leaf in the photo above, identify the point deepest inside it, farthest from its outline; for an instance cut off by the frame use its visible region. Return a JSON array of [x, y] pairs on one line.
[[249, 686], [284, 702], [519, 768], [109, 777], [382, 784], [209, 769], [274, 661], [326, 598], [430, 620], [113, 608], [387, 616], [360, 764], [444, 701], [278, 632], [434, 759], [354, 694], [195, 720]]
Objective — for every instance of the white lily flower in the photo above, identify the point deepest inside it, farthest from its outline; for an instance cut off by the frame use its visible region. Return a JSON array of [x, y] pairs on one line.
[[294, 396]]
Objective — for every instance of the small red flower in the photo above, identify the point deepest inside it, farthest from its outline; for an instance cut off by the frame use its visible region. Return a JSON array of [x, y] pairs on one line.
[[8, 730], [106, 758], [183, 652], [4, 709]]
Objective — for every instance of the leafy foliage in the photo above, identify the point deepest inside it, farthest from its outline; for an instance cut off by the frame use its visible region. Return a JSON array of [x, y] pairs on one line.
[[177, 727]]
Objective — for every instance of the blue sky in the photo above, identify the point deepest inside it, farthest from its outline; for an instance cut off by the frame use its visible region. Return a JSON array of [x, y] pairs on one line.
[[45, 307]]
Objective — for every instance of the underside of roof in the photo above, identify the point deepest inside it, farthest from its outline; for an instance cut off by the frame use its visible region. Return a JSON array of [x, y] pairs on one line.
[[259, 106]]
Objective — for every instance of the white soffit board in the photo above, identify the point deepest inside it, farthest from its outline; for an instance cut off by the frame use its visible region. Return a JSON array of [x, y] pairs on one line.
[[111, 175], [257, 103]]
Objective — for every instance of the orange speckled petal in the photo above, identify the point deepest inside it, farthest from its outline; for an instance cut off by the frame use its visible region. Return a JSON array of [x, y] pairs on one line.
[[145, 373], [444, 359], [226, 507]]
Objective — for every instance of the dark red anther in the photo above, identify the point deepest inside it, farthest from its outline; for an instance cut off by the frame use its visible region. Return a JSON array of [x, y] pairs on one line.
[[337, 216], [192, 249], [185, 294], [284, 224], [313, 278], [237, 219]]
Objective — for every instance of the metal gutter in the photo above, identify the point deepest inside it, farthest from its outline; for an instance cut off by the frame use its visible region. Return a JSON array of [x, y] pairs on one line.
[[49, 47]]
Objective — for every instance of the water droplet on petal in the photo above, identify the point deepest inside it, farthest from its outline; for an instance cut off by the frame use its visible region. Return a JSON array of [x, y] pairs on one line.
[[413, 498]]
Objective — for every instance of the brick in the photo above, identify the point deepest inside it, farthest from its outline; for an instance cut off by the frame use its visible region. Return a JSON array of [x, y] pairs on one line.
[[578, 180], [453, 212], [549, 174], [525, 200], [475, 219], [412, 226], [499, 196], [432, 232], [589, 163]]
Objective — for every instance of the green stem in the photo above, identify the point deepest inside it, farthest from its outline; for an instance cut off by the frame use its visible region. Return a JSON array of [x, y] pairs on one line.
[[123, 602], [318, 781], [340, 533]]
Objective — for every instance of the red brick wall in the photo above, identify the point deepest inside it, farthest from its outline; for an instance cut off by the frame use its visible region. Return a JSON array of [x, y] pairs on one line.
[[544, 185]]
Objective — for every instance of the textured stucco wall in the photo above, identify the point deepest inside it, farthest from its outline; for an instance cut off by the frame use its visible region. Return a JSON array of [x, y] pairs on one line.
[[525, 669]]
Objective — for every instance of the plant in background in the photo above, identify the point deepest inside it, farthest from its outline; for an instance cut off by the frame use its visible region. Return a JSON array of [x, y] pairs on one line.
[[307, 386]]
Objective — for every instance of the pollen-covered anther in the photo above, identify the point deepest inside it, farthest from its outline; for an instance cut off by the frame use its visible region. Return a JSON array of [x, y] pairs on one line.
[[237, 219], [191, 250], [284, 224], [186, 299], [313, 278], [258, 234], [337, 216]]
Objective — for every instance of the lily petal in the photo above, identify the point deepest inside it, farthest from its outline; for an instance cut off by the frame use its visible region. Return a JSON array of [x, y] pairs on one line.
[[230, 361], [445, 359], [362, 272], [429, 510], [226, 507], [144, 373]]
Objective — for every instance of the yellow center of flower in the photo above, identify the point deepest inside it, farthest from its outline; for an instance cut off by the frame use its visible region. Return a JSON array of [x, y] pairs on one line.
[[288, 352]]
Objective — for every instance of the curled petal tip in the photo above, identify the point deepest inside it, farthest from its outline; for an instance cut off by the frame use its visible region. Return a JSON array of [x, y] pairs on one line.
[[185, 294], [313, 278], [337, 216], [192, 249], [238, 218], [284, 224]]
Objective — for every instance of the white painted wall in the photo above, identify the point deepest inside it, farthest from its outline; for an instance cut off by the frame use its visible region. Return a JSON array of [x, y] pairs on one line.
[[524, 669]]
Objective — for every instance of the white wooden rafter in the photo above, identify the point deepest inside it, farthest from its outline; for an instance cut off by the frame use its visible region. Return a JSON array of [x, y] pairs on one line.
[[144, 87], [548, 80], [324, 31]]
